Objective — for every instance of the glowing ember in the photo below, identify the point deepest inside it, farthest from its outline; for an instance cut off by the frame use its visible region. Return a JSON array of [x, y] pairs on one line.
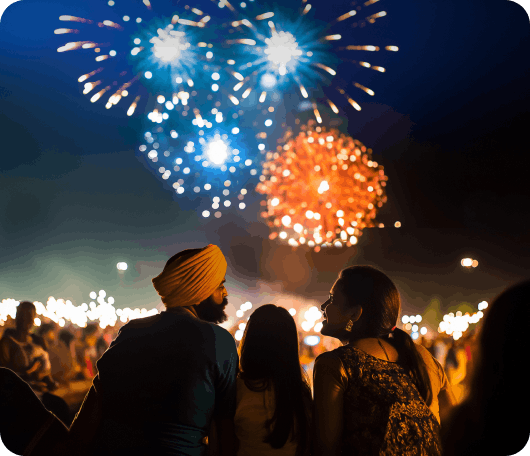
[[281, 49], [322, 187]]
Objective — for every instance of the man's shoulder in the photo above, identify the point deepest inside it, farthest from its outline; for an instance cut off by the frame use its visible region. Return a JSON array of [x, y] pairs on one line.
[[136, 328], [139, 325], [223, 336]]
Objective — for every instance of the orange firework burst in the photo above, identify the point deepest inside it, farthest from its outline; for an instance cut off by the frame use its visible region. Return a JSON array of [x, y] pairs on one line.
[[322, 187]]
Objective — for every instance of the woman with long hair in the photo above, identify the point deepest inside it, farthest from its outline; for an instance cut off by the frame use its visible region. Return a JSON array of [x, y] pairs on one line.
[[379, 393], [273, 393], [493, 419]]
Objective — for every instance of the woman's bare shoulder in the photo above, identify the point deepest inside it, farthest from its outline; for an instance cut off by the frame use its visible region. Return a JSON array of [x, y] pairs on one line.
[[331, 354]]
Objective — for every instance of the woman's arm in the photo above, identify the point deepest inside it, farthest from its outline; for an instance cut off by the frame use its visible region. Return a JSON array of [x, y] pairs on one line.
[[446, 401], [446, 397], [327, 424]]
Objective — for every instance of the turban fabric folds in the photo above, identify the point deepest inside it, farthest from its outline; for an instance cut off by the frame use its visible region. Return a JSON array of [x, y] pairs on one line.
[[191, 276]]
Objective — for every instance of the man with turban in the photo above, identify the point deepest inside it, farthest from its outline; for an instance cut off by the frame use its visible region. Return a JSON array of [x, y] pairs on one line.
[[166, 377]]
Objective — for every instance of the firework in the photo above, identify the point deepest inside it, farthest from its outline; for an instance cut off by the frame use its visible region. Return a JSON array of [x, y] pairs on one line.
[[205, 158], [143, 57], [322, 187], [282, 52]]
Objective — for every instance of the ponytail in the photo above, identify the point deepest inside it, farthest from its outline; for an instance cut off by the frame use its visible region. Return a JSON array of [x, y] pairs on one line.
[[381, 304], [414, 363]]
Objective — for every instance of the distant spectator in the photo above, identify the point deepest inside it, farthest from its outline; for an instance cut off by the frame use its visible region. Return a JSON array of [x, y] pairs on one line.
[[427, 343], [48, 333], [104, 341], [25, 355], [86, 352], [432, 347], [440, 348], [64, 366], [456, 368], [469, 342], [450, 359], [493, 420]]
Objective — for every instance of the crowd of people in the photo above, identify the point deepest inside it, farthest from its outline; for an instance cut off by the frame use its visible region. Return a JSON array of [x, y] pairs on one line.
[[177, 383], [50, 357], [72, 353]]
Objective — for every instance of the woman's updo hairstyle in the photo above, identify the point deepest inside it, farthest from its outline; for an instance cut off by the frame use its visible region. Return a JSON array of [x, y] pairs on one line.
[[379, 298]]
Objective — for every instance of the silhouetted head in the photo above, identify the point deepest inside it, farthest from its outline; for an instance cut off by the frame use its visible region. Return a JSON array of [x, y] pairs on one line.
[[503, 334], [25, 318], [493, 418], [269, 343], [47, 332], [90, 334], [66, 337]]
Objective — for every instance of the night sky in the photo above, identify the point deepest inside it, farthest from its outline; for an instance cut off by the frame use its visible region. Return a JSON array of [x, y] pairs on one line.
[[449, 122]]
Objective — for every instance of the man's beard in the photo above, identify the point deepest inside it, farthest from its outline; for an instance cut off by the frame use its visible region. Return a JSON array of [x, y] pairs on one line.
[[208, 310]]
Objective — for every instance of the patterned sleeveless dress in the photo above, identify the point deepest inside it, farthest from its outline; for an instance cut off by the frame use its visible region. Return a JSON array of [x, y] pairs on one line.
[[384, 413]]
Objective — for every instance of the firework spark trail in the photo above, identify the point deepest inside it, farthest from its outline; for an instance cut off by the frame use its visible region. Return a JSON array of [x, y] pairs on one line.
[[145, 58], [285, 51]]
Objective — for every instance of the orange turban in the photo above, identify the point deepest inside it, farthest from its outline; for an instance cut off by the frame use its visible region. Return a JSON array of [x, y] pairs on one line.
[[191, 276]]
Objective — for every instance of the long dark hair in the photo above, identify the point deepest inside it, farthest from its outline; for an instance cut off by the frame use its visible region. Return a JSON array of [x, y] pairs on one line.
[[379, 298], [269, 351]]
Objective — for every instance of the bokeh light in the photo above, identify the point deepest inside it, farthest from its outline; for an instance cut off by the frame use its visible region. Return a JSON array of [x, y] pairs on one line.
[[62, 311], [321, 187], [466, 262], [456, 324], [311, 340]]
